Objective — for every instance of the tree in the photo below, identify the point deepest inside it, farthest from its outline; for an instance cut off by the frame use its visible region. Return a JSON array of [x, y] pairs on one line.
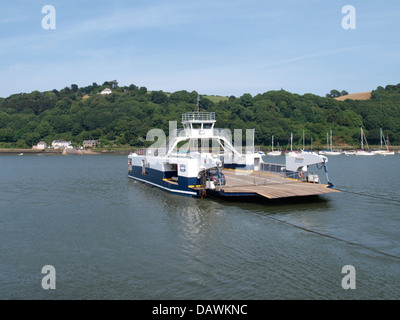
[[333, 94], [32, 138], [44, 129], [158, 97], [127, 116], [246, 100], [7, 135], [61, 123], [143, 90]]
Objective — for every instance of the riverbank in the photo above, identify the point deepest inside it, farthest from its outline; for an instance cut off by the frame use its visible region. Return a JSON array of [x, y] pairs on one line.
[[4, 151], [96, 151]]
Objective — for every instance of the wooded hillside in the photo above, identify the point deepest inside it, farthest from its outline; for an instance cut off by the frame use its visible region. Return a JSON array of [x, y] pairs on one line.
[[126, 115]]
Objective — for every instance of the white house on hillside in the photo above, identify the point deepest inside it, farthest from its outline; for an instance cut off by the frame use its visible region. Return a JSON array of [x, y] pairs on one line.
[[106, 91], [90, 143], [56, 144], [40, 145]]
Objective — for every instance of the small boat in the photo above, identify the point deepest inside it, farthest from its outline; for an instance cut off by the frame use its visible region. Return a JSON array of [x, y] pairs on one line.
[[381, 151], [20, 154], [292, 153], [363, 152], [333, 153], [273, 153], [330, 151]]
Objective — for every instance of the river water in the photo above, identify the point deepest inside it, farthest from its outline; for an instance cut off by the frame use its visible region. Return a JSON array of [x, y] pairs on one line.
[[109, 237]]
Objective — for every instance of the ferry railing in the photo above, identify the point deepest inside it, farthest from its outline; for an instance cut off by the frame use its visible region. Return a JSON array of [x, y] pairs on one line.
[[151, 151], [272, 167], [280, 169], [198, 116]]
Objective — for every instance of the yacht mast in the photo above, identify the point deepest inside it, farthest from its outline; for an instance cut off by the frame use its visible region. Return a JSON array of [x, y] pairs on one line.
[[272, 143], [327, 141], [198, 103], [362, 139], [291, 141]]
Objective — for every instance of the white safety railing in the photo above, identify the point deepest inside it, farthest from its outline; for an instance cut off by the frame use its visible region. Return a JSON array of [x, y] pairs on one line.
[[198, 116]]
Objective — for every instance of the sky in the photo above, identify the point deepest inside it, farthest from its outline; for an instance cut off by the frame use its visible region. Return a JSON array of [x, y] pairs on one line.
[[216, 47]]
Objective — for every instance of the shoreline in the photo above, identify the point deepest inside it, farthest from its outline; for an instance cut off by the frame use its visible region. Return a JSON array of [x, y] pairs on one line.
[[21, 151], [4, 151]]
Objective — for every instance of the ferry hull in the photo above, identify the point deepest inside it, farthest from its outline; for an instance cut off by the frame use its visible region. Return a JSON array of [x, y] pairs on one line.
[[161, 180]]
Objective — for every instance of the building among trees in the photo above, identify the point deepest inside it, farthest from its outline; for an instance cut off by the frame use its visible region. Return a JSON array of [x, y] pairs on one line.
[[57, 144], [90, 143], [40, 145], [106, 91]]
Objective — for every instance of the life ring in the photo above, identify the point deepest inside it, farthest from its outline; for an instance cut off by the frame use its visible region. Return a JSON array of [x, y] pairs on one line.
[[300, 175]]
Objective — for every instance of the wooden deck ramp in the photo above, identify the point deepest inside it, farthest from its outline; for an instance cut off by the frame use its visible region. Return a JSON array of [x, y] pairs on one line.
[[270, 185]]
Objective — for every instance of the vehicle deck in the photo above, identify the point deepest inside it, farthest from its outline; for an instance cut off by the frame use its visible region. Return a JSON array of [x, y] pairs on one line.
[[269, 185]]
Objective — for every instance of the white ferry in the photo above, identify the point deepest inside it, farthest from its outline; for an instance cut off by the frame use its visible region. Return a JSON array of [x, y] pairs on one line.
[[201, 160]]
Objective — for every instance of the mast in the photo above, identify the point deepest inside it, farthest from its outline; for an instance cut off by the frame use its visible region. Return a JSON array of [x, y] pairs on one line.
[[303, 141], [272, 143], [327, 141], [387, 142], [291, 141], [362, 139], [198, 103]]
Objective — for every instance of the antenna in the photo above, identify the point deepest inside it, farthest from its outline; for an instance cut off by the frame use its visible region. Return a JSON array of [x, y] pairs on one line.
[[198, 103]]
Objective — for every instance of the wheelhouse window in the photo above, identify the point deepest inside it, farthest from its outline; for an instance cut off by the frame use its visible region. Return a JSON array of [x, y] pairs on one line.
[[196, 125]]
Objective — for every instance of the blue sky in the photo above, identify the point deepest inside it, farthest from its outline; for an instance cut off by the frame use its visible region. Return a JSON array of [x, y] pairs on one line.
[[214, 47]]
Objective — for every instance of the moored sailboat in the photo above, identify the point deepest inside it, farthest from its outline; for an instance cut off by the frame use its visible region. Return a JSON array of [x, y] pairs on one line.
[[291, 153], [272, 152], [330, 151], [381, 151], [363, 152]]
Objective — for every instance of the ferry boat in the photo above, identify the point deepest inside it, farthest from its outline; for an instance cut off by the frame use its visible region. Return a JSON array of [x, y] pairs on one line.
[[201, 160]]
